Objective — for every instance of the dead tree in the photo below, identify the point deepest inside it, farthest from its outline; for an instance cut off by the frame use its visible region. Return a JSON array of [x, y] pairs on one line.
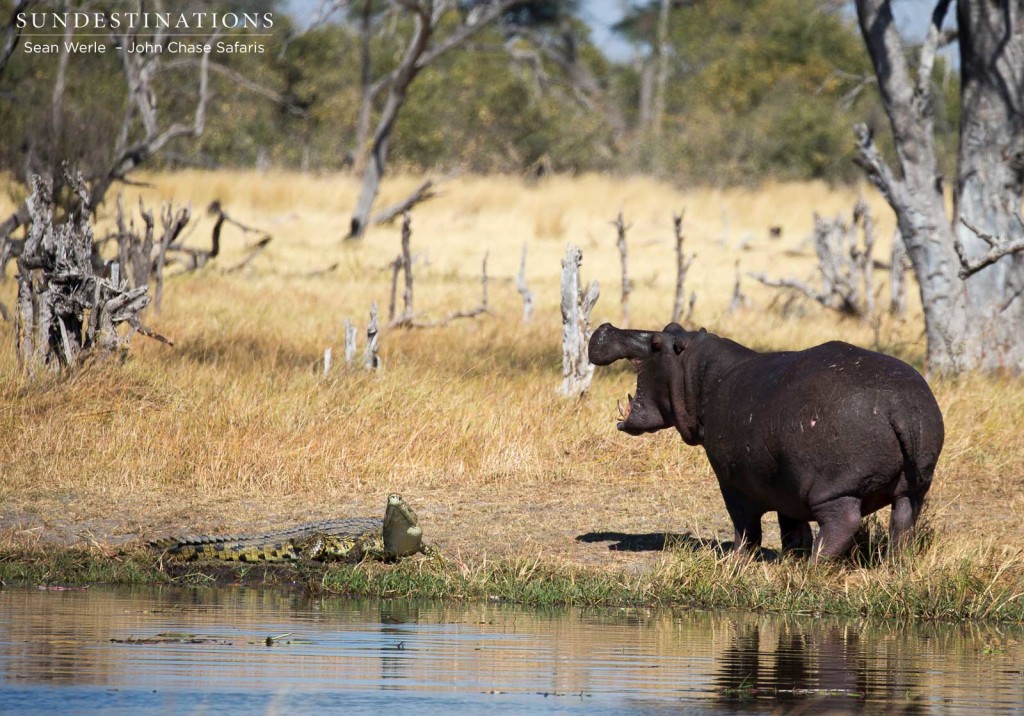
[[682, 267], [971, 287], [577, 370], [627, 285], [525, 292], [404, 263], [142, 256], [408, 319], [845, 265], [66, 311], [425, 46]]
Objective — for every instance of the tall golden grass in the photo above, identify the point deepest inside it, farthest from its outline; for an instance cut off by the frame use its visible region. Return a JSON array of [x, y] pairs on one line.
[[236, 427]]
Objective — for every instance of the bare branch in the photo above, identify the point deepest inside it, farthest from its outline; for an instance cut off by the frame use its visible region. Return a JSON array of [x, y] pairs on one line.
[[792, 283], [423, 192], [480, 21], [931, 42], [254, 251], [239, 79], [879, 173], [1000, 247]]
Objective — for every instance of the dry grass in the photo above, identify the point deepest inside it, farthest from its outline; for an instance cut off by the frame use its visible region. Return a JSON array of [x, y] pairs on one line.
[[234, 428]]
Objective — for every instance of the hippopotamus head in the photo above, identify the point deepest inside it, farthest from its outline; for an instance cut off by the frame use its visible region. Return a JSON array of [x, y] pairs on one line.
[[661, 398]]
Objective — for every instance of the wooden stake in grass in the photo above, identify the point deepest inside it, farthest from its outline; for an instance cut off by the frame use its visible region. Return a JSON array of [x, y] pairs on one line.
[[350, 343], [682, 266], [739, 299], [525, 292], [371, 361], [403, 263], [627, 285], [577, 370]]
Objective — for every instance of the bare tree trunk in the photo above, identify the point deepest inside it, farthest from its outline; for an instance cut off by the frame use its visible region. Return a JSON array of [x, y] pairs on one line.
[[577, 370], [990, 173], [646, 95], [658, 112], [366, 94], [970, 323], [59, 84], [627, 285], [682, 266]]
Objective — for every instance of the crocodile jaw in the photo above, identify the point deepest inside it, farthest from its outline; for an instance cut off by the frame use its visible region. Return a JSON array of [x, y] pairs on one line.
[[401, 532]]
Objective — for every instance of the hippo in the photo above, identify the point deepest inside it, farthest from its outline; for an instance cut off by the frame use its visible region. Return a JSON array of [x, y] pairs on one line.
[[830, 434]]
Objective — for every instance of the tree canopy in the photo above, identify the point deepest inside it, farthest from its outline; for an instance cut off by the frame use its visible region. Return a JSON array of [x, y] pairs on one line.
[[755, 89]]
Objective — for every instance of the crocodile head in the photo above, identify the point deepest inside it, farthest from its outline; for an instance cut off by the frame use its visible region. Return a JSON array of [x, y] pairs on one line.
[[402, 533]]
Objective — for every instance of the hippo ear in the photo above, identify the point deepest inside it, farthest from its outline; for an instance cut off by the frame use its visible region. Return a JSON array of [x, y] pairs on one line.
[[678, 345]]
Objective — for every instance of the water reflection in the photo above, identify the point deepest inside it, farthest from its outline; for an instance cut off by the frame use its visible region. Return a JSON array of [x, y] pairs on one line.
[[825, 663], [188, 648]]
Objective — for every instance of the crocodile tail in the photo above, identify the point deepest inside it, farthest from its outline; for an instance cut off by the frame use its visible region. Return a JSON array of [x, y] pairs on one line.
[[164, 544]]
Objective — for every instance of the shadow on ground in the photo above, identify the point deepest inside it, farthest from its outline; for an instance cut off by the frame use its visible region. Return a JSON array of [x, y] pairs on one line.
[[661, 541]]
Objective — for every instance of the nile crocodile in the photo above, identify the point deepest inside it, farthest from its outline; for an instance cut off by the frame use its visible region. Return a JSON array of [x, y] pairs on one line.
[[349, 539]]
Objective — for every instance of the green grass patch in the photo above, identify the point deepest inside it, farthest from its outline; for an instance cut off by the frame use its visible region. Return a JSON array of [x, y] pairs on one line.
[[931, 584]]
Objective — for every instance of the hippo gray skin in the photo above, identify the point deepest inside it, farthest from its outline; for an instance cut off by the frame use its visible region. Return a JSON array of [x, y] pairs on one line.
[[831, 433]]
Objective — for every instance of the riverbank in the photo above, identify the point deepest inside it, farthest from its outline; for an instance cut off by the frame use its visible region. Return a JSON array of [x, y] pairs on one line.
[[932, 583]]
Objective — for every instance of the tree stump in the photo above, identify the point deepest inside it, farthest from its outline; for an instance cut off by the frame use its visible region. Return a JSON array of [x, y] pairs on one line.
[[577, 370], [66, 311]]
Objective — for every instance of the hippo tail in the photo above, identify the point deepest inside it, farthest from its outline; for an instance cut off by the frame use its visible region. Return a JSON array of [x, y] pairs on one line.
[[920, 448]]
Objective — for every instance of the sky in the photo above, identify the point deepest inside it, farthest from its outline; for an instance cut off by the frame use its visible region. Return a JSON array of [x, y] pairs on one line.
[[911, 16]]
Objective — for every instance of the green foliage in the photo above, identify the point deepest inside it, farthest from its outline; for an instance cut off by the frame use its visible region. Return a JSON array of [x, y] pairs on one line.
[[756, 89]]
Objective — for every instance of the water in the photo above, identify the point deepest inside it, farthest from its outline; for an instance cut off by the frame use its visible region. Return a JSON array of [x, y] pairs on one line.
[[171, 650]]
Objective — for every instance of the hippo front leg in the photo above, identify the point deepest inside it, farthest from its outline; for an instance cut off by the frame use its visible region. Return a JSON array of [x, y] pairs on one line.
[[746, 520], [796, 535]]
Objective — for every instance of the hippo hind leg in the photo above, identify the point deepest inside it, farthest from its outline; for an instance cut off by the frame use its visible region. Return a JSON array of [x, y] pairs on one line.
[[796, 535], [838, 522], [905, 511]]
